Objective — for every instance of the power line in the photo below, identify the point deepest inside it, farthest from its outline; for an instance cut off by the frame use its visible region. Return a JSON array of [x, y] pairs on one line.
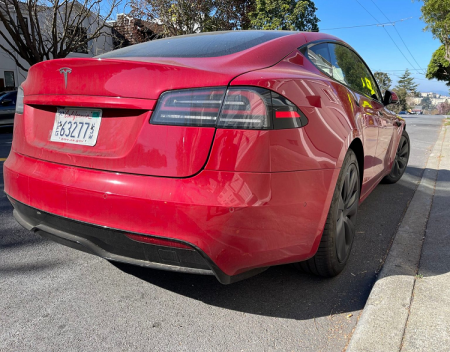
[[397, 75], [369, 25], [388, 35], [402, 70], [393, 72], [401, 38]]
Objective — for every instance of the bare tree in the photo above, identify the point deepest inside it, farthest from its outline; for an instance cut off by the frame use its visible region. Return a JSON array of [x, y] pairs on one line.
[[192, 16], [38, 30]]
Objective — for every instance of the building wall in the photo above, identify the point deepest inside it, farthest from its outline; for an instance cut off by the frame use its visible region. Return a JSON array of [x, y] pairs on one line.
[[7, 64], [435, 99]]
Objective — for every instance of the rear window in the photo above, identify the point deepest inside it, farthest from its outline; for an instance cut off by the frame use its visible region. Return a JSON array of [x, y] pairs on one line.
[[211, 44]]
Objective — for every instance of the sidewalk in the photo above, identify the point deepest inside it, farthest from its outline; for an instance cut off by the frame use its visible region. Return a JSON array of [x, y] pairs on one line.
[[409, 306], [428, 326]]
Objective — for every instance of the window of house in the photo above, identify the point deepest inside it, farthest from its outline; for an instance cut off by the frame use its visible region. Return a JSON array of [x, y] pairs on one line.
[[21, 30], [9, 79]]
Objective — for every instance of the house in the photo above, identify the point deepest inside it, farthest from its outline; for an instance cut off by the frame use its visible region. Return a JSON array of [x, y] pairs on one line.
[[129, 30]]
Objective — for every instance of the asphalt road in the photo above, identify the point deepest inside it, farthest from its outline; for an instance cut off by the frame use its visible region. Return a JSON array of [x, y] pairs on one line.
[[55, 298]]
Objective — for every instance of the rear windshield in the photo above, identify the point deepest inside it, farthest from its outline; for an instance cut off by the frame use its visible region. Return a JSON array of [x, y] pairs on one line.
[[210, 44]]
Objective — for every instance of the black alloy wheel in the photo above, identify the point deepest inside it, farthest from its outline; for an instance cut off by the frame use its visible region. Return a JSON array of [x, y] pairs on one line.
[[340, 227], [401, 160], [346, 213]]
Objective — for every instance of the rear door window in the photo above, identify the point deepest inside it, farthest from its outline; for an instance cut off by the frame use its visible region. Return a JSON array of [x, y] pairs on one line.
[[320, 57], [349, 69]]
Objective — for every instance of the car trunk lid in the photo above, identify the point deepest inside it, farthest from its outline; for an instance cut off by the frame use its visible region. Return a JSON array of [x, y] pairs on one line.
[[126, 92]]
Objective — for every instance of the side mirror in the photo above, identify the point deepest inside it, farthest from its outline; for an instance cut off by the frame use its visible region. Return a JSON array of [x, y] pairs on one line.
[[390, 97]]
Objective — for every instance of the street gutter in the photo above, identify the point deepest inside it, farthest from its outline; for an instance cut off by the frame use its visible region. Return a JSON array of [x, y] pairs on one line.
[[382, 323]]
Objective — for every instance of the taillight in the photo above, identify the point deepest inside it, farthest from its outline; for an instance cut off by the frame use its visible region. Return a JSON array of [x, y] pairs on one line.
[[189, 107], [286, 114], [233, 108], [246, 108]]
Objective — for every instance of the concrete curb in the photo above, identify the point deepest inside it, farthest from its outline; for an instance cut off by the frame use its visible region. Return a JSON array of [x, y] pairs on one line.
[[382, 323]]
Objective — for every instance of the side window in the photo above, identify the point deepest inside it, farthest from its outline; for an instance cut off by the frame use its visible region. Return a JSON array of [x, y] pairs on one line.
[[348, 68], [320, 57]]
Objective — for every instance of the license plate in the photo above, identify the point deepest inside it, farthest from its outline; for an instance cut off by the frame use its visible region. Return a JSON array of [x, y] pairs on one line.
[[76, 126]]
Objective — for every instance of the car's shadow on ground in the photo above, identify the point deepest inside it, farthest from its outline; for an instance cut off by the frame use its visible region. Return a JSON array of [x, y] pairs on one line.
[[280, 291], [283, 291]]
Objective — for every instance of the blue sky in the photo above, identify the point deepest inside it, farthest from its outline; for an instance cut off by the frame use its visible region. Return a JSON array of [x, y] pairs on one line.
[[374, 44]]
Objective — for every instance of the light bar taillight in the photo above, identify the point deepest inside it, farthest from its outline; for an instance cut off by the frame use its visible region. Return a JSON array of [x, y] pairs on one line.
[[246, 108], [189, 107], [286, 114], [233, 108]]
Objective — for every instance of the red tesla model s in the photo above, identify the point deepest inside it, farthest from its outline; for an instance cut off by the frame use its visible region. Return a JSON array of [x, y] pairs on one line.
[[217, 153]]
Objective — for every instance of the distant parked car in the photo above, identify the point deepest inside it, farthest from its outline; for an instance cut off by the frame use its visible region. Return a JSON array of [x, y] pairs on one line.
[[402, 113], [7, 107]]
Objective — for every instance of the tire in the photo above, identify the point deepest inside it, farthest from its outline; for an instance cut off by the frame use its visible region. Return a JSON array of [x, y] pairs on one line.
[[339, 232], [401, 160]]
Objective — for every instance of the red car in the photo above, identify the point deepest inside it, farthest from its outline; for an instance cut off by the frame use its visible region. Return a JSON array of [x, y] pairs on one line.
[[217, 153]]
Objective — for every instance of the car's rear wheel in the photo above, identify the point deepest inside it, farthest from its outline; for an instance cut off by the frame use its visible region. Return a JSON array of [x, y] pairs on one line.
[[401, 160], [337, 238]]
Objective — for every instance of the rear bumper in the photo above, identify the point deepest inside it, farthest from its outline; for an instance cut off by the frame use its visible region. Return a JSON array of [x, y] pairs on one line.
[[235, 221], [114, 245]]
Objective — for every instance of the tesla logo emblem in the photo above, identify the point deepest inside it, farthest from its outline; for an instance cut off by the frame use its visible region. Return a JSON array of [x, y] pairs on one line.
[[65, 71]]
